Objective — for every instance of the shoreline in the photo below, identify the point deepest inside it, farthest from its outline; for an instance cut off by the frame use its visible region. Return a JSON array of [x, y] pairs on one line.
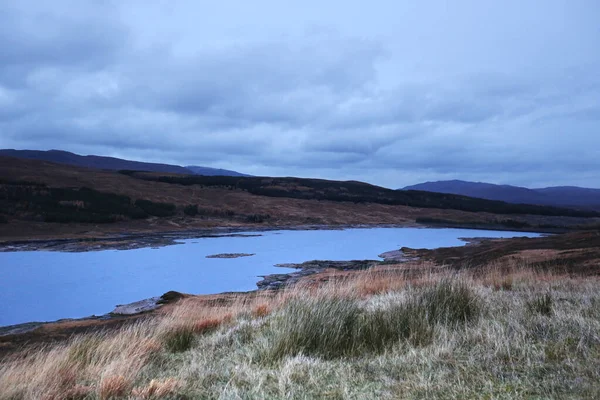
[[138, 240], [574, 254], [268, 282]]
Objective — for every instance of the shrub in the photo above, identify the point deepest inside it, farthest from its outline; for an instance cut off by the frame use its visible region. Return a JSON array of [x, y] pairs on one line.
[[134, 212], [450, 302], [257, 218], [191, 210], [541, 304], [77, 216], [156, 209], [128, 172], [511, 223]]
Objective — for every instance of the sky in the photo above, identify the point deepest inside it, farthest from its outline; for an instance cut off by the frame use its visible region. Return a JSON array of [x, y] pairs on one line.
[[388, 92]]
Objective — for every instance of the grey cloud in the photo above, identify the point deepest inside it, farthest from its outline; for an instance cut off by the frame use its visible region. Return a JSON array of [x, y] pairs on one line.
[[384, 98], [34, 37]]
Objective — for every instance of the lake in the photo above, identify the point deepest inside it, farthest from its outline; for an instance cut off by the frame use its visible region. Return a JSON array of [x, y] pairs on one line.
[[46, 286]]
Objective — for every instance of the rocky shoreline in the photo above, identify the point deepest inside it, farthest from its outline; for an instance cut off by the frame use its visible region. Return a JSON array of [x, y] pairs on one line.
[[120, 311], [130, 241], [122, 242], [278, 281]]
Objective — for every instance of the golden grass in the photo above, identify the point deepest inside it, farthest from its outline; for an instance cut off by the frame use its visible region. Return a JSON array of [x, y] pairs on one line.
[[207, 350], [157, 389]]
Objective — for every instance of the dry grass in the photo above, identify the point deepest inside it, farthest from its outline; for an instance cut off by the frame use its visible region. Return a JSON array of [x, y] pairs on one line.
[[500, 333], [157, 389]]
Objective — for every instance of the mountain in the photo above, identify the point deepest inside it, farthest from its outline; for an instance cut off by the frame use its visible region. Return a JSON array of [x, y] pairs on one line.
[[553, 196], [98, 162], [206, 171], [112, 163], [572, 195]]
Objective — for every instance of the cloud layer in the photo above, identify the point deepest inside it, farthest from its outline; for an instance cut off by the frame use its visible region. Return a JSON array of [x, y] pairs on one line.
[[386, 93]]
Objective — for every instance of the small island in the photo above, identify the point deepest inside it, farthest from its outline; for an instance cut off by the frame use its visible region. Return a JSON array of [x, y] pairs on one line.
[[231, 255]]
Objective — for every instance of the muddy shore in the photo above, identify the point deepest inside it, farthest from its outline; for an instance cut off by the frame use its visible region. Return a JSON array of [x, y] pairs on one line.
[[129, 241]]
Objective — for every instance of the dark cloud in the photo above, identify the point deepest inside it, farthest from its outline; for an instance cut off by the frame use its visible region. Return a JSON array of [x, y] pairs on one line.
[[387, 93]]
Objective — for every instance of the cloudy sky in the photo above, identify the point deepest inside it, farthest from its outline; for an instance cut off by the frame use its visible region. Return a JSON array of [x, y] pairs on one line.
[[389, 92]]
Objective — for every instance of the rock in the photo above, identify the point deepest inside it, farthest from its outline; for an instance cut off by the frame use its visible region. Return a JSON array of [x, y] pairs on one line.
[[397, 255], [138, 306], [277, 281], [170, 297]]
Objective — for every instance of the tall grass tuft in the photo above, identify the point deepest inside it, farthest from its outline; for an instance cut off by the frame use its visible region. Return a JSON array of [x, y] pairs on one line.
[[178, 339], [381, 328], [113, 386], [451, 302], [333, 327], [322, 326], [540, 304], [157, 389]]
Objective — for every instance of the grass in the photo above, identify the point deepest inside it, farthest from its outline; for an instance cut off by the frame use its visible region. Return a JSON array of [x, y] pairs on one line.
[[450, 302], [430, 335], [541, 304]]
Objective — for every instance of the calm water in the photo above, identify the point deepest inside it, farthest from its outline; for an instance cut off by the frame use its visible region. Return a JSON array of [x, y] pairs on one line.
[[46, 286]]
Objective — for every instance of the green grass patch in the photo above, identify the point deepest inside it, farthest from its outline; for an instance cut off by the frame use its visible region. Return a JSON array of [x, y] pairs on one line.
[[340, 327], [540, 304], [178, 339], [316, 326], [451, 302]]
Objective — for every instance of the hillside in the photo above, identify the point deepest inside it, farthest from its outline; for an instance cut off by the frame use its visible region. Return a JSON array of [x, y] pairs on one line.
[[419, 333], [572, 195], [552, 196], [360, 192], [40, 199], [111, 163], [213, 171]]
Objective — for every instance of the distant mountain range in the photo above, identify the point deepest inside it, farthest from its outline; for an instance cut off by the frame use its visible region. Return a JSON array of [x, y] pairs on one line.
[[112, 163], [553, 196]]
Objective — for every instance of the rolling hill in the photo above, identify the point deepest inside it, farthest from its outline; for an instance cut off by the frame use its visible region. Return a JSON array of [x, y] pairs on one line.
[[112, 163], [206, 171], [42, 199], [570, 196]]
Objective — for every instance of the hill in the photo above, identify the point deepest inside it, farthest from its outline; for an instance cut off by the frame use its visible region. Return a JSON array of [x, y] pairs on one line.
[[98, 162], [360, 192], [112, 163], [572, 195], [206, 171], [551, 196], [45, 200]]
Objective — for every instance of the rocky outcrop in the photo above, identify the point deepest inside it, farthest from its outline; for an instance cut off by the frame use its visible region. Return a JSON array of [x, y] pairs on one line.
[[278, 281], [146, 305], [397, 256]]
